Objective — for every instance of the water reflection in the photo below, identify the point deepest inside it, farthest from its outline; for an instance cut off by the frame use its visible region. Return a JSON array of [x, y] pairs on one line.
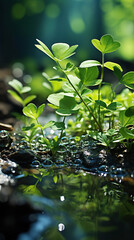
[[80, 205]]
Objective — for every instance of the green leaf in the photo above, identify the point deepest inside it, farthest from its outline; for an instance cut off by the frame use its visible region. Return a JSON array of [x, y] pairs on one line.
[[44, 49], [125, 120], [55, 179], [117, 73], [16, 96], [74, 80], [16, 85], [63, 50], [58, 79], [40, 110], [126, 133], [28, 127], [67, 106], [59, 49], [52, 106], [68, 88], [86, 91], [49, 124], [89, 76], [129, 112], [30, 111], [58, 126], [112, 65], [26, 89], [101, 103], [69, 66], [55, 98], [47, 86], [128, 80], [114, 106], [106, 44], [89, 63], [69, 52], [29, 99]]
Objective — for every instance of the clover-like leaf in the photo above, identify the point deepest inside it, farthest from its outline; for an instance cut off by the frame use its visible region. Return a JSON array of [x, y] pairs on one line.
[[31, 110], [63, 50], [114, 106], [16, 96], [49, 124], [17, 85], [112, 65], [89, 76], [89, 63], [124, 119], [128, 80], [40, 110], [59, 49], [41, 46], [66, 103], [26, 89], [106, 44], [101, 103], [127, 133], [58, 126], [69, 52], [29, 99], [55, 98], [130, 112]]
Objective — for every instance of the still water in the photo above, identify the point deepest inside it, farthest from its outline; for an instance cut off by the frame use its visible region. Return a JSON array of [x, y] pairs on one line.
[[76, 205]]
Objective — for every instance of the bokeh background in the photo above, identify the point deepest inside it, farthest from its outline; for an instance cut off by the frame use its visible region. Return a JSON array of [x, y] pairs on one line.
[[70, 21]]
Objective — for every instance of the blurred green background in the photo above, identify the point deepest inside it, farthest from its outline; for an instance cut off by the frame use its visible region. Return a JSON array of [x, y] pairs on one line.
[[70, 21]]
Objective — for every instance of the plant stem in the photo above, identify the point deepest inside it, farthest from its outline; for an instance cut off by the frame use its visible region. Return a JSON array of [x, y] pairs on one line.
[[99, 89], [61, 134], [40, 128], [88, 108]]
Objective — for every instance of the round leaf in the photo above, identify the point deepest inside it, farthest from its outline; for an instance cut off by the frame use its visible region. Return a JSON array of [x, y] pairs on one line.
[[30, 111], [89, 63], [128, 80]]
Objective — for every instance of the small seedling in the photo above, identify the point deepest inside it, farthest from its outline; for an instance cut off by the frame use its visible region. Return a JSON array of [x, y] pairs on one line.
[[32, 112], [20, 91]]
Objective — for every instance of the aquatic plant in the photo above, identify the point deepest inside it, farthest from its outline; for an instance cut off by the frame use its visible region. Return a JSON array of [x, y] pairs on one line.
[[78, 98], [100, 112]]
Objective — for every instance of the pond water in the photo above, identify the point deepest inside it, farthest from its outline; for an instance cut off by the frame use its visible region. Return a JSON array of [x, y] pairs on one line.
[[75, 205]]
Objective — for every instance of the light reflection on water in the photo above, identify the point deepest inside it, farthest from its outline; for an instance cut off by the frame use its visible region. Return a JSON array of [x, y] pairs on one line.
[[80, 205]]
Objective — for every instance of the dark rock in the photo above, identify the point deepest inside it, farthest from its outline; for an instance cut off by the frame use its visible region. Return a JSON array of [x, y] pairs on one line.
[[23, 157]]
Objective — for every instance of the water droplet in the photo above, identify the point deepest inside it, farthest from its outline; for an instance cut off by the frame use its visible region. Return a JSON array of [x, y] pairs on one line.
[[60, 162], [47, 163], [61, 227], [62, 198], [4, 134], [77, 161], [35, 164]]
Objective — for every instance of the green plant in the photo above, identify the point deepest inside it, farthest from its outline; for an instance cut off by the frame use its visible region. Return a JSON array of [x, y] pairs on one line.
[[35, 128], [77, 96], [20, 91]]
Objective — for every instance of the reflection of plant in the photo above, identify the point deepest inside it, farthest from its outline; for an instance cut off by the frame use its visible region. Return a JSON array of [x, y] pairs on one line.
[[78, 98]]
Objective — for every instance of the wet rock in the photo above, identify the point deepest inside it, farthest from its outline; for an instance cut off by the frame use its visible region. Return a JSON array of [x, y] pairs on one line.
[[23, 157]]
